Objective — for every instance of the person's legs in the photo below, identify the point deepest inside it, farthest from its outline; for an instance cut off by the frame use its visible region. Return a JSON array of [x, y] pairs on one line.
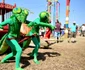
[[84, 33], [70, 37], [74, 37], [81, 33], [58, 35]]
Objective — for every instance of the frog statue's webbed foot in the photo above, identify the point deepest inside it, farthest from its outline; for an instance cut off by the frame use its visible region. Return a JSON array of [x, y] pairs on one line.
[[6, 61], [36, 60], [19, 68]]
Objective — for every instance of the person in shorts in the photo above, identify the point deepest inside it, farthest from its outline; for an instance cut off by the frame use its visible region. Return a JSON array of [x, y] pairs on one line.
[[58, 30], [72, 36]]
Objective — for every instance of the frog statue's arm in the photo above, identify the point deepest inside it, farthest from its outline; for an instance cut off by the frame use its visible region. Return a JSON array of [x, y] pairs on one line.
[[3, 44], [8, 21], [30, 24], [47, 25], [41, 24]]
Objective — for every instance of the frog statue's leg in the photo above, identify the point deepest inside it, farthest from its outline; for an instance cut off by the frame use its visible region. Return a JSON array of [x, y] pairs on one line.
[[15, 47], [3, 45], [36, 41], [26, 43]]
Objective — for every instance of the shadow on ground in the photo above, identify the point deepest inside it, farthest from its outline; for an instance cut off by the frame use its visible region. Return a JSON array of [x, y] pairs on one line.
[[42, 56]]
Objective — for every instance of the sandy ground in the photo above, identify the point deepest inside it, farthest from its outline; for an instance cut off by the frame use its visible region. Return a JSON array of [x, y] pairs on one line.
[[60, 56]]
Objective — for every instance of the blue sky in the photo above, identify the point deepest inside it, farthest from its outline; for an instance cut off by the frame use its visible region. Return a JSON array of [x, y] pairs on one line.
[[77, 10]]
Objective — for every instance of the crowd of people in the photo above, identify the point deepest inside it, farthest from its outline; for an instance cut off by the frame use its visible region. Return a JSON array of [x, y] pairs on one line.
[[59, 32]]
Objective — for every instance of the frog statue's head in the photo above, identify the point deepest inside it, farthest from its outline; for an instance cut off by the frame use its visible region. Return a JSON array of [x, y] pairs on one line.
[[21, 14], [44, 17]]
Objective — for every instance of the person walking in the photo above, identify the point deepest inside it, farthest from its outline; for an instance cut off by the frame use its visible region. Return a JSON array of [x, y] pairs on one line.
[[73, 33], [58, 30], [83, 30]]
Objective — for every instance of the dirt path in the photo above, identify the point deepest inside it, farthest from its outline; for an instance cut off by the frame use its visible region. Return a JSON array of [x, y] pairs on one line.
[[61, 56]]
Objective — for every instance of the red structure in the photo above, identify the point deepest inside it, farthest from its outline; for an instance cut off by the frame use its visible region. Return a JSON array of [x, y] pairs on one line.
[[5, 8]]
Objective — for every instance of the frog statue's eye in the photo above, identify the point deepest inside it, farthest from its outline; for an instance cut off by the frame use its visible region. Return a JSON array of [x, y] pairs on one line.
[[26, 12], [17, 10]]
